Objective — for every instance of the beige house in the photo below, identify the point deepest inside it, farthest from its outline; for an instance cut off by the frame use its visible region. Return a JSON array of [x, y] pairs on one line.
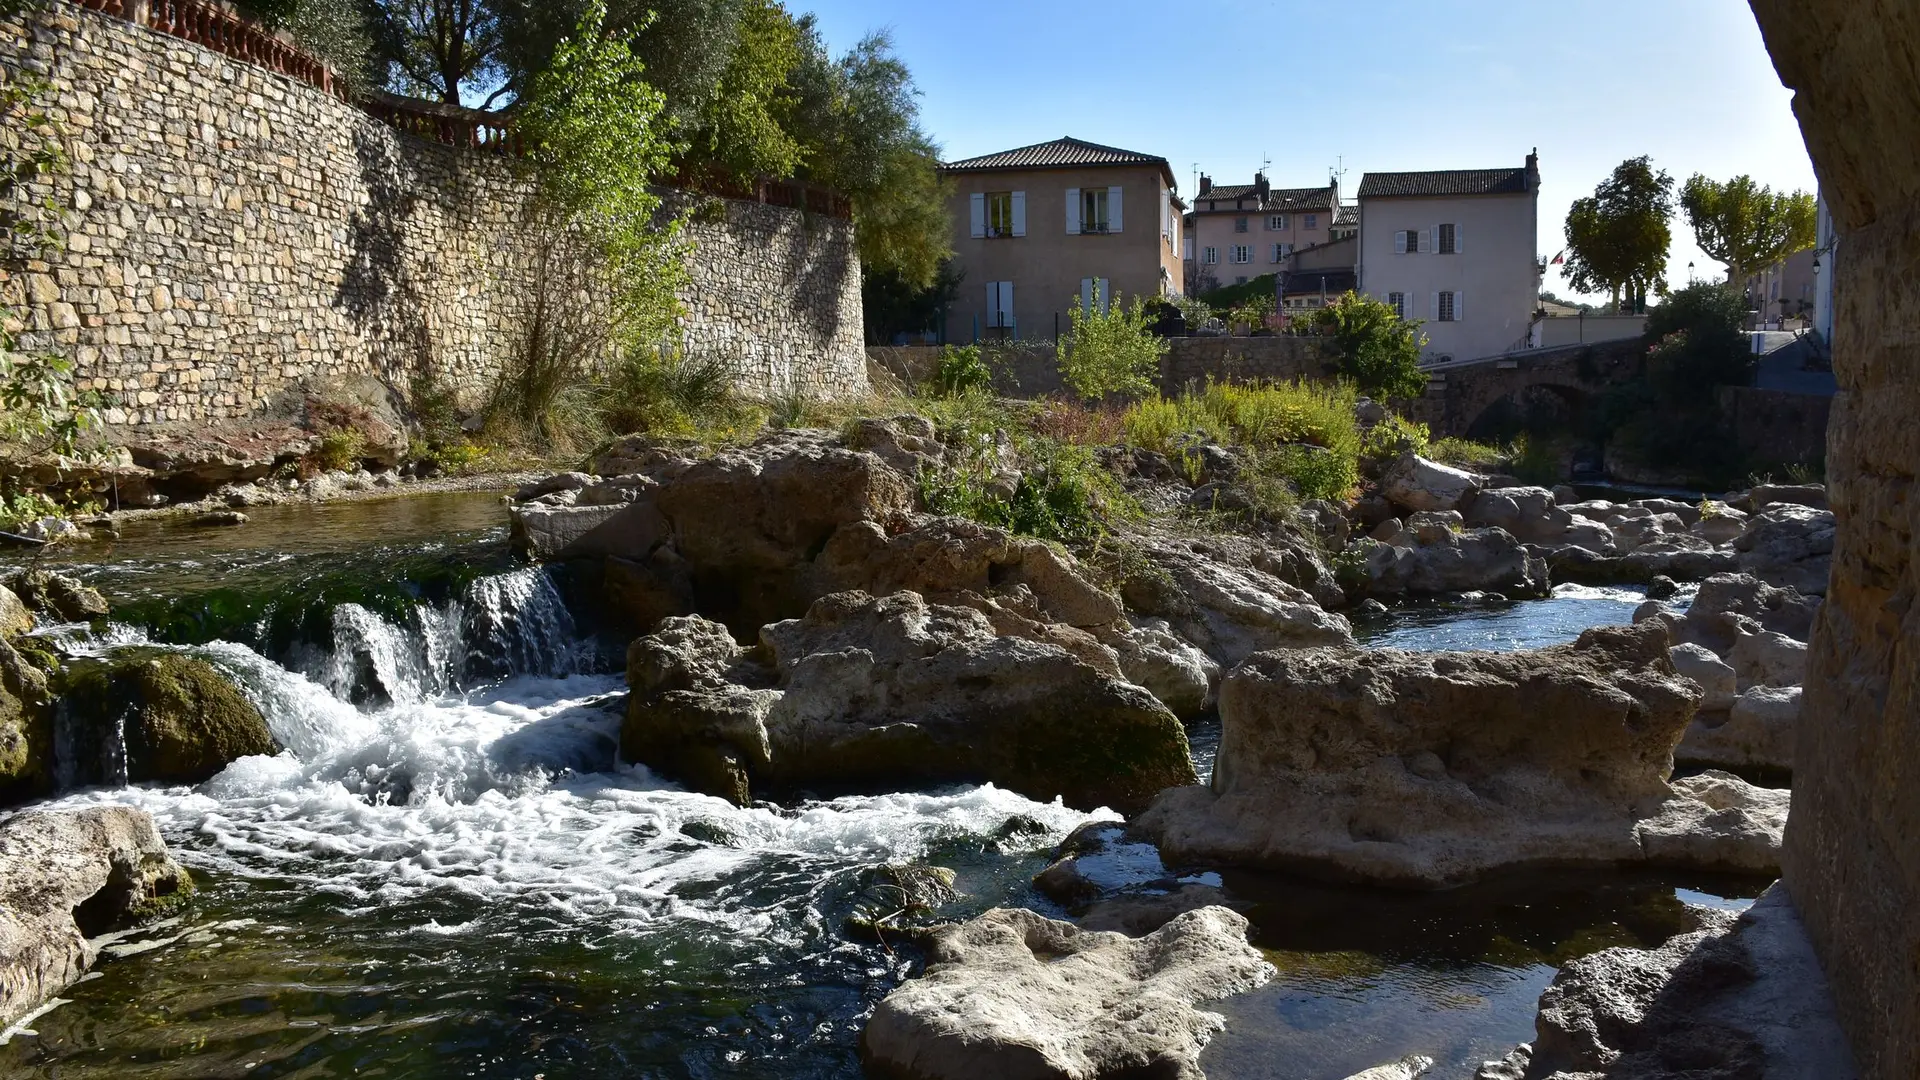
[[1044, 227], [1457, 251], [1785, 290], [1242, 231]]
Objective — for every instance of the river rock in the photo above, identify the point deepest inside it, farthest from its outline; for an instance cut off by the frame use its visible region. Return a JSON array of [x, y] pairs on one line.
[[1718, 683], [1763, 496], [1755, 731], [59, 596], [1790, 546], [1431, 769], [1231, 596], [1015, 994], [1768, 659], [69, 876], [1414, 483], [883, 691], [15, 618], [1529, 513], [1722, 525], [1407, 1068], [1150, 654], [147, 715], [1729, 605], [1639, 566], [26, 727], [1717, 821], [1741, 998], [1443, 560]]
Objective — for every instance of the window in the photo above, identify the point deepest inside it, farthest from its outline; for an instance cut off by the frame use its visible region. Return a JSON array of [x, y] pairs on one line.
[[1210, 255], [1448, 240], [1000, 305], [1313, 221], [1242, 253], [1240, 224], [1187, 244], [1398, 302], [1278, 252], [1277, 222], [999, 213], [1093, 210], [1407, 241], [1446, 310]]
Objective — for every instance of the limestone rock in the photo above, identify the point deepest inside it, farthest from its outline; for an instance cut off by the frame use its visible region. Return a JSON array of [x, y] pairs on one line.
[[15, 618], [1442, 560], [26, 727], [1150, 654], [68, 876], [1407, 1068], [1738, 999], [1789, 545], [868, 691], [1717, 821], [1014, 994], [1137, 914], [1813, 496], [1431, 769], [149, 715], [1414, 483], [60, 596], [1755, 731], [1729, 605], [1529, 513], [1231, 597], [1716, 678], [1768, 659]]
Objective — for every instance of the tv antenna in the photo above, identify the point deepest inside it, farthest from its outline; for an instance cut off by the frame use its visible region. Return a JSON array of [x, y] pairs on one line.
[[1339, 169]]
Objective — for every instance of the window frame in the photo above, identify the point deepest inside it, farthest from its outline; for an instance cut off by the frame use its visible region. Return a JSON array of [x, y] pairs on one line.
[[998, 203], [1445, 309], [1095, 211], [1241, 255], [1446, 239], [1398, 302], [1209, 256], [1242, 224], [1279, 222], [1312, 221]]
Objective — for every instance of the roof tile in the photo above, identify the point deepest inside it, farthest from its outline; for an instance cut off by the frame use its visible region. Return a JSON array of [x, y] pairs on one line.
[[1435, 184], [1062, 153]]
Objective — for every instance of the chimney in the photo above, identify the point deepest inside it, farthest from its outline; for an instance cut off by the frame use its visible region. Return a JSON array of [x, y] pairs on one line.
[[1261, 186], [1206, 183], [1533, 170]]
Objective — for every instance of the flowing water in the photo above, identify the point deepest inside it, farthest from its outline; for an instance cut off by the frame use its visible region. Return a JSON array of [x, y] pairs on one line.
[[449, 872]]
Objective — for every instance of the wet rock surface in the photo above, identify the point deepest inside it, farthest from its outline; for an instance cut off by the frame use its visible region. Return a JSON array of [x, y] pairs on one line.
[[146, 715], [1015, 994], [66, 876]]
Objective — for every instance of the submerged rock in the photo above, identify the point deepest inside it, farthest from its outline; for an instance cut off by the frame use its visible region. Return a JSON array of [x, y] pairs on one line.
[[157, 716], [69, 876], [59, 596], [1015, 994], [1431, 769], [884, 691]]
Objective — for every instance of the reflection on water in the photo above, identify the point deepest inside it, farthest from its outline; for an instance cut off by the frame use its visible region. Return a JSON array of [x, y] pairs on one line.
[[1505, 627]]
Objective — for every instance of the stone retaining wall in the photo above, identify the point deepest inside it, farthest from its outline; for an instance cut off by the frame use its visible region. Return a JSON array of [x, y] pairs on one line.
[[235, 236]]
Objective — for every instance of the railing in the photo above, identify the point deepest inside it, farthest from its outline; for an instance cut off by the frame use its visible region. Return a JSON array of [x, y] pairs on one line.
[[215, 27]]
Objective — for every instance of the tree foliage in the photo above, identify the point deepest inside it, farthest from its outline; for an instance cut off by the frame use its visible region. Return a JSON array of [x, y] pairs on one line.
[[1618, 237], [891, 306], [1378, 350], [440, 48], [1671, 417], [1746, 225]]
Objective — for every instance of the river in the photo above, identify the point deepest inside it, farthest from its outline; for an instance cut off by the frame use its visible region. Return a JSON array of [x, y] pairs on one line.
[[449, 873]]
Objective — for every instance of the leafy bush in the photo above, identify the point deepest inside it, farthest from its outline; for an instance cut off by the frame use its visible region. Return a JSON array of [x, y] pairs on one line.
[[1302, 433], [1540, 461], [1062, 495], [1453, 450], [962, 370], [665, 391], [1394, 436], [1111, 353], [339, 449], [1379, 351]]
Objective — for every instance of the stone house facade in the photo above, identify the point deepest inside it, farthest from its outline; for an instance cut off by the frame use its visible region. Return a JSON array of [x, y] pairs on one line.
[[1242, 231]]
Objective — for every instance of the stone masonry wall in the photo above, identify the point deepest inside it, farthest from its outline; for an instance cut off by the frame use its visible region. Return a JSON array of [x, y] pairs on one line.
[[235, 236], [1852, 856]]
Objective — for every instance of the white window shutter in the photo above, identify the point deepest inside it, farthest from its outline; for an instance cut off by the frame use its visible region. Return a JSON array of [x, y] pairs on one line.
[[1433, 241], [978, 204], [1104, 283], [1073, 211], [1019, 213], [1113, 209], [1086, 294], [1459, 306], [1457, 247], [1399, 242], [1434, 311]]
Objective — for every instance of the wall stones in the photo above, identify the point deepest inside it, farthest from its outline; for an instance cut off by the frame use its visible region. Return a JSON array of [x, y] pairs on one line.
[[233, 234]]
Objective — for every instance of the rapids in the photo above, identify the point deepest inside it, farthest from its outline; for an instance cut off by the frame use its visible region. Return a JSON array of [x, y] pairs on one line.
[[449, 871]]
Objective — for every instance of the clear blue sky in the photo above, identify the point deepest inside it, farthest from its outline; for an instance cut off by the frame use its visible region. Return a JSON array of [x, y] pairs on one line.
[[1387, 85]]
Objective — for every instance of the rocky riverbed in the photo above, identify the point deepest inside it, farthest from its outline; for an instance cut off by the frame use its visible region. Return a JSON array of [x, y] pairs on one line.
[[758, 724]]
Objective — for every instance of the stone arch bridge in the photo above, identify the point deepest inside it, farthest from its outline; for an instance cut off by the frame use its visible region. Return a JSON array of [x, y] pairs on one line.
[[1461, 392]]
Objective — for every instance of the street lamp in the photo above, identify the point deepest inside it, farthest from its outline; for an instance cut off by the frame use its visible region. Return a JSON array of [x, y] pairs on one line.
[[1689, 273]]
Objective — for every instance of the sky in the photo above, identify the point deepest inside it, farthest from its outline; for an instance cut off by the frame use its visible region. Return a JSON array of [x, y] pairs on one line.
[[1385, 85]]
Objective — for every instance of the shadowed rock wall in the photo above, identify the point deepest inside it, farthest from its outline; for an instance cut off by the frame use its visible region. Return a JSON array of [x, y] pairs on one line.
[[1853, 841]]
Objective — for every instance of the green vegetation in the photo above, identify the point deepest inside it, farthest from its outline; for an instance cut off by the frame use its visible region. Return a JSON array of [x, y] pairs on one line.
[[1228, 297], [1671, 416], [1301, 434], [1618, 237], [1377, 349], [1468, 454], [339, 449], [1746, 225], [962, 371], [1111, 353]]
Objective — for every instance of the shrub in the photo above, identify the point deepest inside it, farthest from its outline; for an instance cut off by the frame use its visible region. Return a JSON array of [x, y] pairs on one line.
[[962, 370], [668, 392], [1453, 450], [1301, 433], [1062, 495], [1378, 350], [1110, 353], [339, 449], [1394, 436]]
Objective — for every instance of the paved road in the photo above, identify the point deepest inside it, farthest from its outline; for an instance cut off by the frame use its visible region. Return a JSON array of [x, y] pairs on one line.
[[1782, 361]]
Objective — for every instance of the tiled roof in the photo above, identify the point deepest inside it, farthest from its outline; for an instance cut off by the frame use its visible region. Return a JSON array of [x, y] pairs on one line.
[[1348, 215], [1279, 200], [1062, 153], [1436, 184], [1229, 192]]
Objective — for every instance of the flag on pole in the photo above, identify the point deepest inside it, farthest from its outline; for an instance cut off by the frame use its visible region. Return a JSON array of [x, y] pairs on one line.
[[1560, 258]]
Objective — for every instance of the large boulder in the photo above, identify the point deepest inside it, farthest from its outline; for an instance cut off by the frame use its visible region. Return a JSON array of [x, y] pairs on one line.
[[879, 692], [1790, 546], [59, 596], [1177, 672], [1716, 678], [26, 727], [1230, 596], [1529, 513], [144, 714], [1436, 559], [1016, 995], [1413, 483], [1754, 731], [66, 877], [1431, 769], [1737, 999], [1728, 606]]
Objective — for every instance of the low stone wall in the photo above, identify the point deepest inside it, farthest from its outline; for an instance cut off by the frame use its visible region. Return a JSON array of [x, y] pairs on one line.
[[1777, 427], [235, 236], [1023, 370]]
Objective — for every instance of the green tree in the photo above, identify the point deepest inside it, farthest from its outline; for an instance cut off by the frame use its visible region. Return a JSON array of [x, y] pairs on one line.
[[440, 48], [1618, 237], [1378, 350], [1746, 225], [891, 306], [1110, 352]]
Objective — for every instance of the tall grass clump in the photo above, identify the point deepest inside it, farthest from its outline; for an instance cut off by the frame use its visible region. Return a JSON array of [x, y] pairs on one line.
[[1467, 453], [1302, 433]]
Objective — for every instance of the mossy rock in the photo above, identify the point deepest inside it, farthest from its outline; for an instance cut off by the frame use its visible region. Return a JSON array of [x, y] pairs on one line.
[[183, 720], [26, 728]]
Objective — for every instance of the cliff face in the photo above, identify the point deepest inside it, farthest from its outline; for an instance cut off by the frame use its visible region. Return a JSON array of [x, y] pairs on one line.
[[1852, 858]]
